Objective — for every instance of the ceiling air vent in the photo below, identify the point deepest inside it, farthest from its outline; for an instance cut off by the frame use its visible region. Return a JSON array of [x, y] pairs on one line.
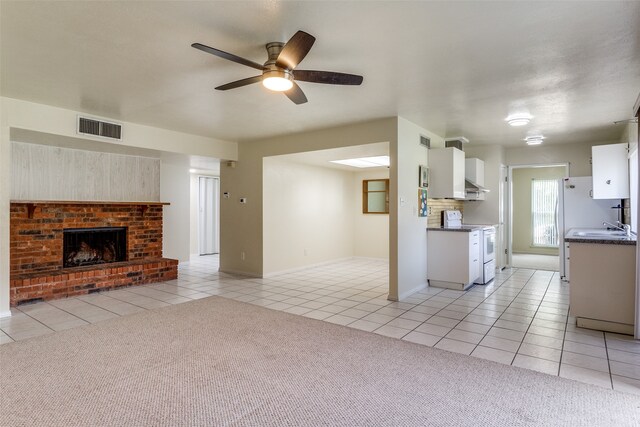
[[87, 126], [425, 142], [456, 142]]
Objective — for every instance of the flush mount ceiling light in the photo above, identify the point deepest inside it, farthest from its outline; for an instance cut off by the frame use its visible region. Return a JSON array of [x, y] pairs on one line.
[[534, 139], [365, 162], [519, 119]]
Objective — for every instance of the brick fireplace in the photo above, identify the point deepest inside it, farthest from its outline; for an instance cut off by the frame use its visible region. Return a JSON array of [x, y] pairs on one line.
[[61, 249]]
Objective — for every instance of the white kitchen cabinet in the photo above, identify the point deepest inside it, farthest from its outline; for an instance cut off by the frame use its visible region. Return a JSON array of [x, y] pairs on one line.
[[610, 168], [474, 171], [453, 258], [446, 169]]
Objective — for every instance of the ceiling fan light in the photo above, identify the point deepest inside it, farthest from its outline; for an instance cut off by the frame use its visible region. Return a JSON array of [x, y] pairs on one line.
[[277, 80]]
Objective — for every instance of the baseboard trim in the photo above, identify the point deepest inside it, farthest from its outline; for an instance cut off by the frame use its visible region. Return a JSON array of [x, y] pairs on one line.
[[4, 314], [240, 273], [603, 325], [412, 291]]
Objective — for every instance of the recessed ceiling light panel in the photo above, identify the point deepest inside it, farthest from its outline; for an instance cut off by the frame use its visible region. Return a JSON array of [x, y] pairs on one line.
[[365, 162]]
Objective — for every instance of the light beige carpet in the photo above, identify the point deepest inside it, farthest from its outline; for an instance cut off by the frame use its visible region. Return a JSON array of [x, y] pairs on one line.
[[536, 262], [217, 362]]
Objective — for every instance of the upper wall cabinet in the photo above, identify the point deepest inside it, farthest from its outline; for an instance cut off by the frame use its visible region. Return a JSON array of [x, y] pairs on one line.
[[446, 166], [610, 168], [474, 171]]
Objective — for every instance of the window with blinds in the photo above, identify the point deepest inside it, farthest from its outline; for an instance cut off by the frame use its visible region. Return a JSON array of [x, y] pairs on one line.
[[544, 212]]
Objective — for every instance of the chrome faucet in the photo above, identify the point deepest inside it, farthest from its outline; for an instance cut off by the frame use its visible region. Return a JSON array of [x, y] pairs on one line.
[[621, 227]]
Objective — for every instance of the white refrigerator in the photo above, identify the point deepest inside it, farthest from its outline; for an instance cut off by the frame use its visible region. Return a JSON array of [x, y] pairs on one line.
[[577, 209]]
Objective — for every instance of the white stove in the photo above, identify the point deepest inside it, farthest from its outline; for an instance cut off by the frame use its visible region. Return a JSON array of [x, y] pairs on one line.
[[453, 219]]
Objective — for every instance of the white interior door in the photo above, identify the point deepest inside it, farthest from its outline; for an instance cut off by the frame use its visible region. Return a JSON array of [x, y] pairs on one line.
[[209, 215]]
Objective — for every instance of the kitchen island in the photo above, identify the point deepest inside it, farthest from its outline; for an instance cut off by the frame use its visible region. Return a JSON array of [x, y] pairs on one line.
[[602, 284]]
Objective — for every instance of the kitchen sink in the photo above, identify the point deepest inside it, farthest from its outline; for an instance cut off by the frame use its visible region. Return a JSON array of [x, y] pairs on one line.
[[603, 233]]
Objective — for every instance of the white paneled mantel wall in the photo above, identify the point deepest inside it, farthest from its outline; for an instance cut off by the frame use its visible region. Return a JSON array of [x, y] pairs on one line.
[[41, 172], [128, 177]]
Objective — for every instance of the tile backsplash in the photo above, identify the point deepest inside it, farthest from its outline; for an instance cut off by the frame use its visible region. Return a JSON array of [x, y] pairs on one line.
[[438, 205]]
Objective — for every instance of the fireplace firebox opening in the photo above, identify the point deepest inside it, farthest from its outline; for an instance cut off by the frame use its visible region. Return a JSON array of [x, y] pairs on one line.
[[89, 246]]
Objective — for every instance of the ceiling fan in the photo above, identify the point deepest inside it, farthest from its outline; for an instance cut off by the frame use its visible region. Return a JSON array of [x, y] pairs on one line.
[[279, 73]]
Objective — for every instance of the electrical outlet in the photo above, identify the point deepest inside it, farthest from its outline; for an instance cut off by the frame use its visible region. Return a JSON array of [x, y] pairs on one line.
[[429, 211], [242, 255]]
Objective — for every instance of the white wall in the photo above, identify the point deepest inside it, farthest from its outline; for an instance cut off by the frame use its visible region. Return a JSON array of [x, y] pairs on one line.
[[307, 214], [371, 231], [194, 206], [41, 172], [408, 248], [174, 188]]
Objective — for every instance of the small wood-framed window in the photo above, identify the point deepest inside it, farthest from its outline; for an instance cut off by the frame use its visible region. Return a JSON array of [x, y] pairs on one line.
[[375, 196]]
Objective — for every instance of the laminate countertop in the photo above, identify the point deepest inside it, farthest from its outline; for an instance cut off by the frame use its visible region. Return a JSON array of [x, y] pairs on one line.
[[599, 236]]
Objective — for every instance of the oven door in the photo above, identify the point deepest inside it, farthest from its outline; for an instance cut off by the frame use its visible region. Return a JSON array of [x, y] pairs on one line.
[[489, 244]]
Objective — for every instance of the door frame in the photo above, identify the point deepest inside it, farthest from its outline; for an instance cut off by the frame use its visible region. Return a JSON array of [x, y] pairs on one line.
[[217, 215], [509, 227]]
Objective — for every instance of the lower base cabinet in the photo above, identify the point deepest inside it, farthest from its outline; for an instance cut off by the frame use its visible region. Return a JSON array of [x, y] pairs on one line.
[[453, 258], [602, 290]]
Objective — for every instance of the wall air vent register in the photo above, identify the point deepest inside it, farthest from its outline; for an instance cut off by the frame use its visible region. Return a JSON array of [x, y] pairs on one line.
[[94, 127]]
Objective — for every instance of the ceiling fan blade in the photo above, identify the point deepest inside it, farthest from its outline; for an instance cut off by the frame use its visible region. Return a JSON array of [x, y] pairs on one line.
[[296, 94], [240, 83], [226, 55], [295, 50], [327, 77]]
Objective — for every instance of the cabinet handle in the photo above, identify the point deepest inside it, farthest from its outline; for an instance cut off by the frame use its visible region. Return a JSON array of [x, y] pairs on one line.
[[475, 260], [608, 182], [475, 244]]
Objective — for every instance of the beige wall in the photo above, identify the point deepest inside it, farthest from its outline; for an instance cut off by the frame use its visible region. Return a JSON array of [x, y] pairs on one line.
[[577, 155], [5, 197], [408, 245], [307, 214], [486, 211], [41, 118], [371, 231], [241, 227], [28, 119], [522, 177], [174, 189]]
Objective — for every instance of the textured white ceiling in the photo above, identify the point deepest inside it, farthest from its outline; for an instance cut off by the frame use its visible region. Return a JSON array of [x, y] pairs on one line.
[[455, 68]]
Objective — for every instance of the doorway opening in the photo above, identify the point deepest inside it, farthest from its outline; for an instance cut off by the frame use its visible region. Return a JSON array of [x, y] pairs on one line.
[[208, 215], [534, 216]]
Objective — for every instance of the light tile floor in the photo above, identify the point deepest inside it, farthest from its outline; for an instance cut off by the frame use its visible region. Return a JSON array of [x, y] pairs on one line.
[[520, 319]]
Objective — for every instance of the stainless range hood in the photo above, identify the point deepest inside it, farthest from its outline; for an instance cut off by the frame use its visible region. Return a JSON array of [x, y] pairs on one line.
[[472, 187]]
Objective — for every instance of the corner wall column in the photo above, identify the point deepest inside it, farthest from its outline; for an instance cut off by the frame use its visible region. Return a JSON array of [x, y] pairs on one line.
[[5, 197]]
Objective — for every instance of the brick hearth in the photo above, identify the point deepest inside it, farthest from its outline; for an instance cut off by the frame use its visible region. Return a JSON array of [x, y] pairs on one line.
[[36, 248]]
